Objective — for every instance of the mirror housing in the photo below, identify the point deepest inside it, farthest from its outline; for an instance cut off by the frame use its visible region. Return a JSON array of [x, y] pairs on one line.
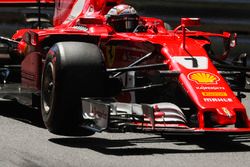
[[233, 40], [188, 22]]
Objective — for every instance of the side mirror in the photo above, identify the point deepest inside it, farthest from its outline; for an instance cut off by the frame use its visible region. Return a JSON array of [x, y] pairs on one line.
[[187, 22], [233, 40], [230, 40]]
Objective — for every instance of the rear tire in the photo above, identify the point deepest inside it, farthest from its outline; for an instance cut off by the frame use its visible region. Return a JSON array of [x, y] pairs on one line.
[[72, 70]]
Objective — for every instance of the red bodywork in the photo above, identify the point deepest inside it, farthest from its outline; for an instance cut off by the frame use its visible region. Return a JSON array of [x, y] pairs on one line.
[[85, 19], [25, 2]]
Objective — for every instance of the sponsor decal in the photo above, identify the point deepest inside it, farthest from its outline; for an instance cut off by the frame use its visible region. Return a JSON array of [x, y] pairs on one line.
[[226, 100], [210, 88], [200, 77], [81, 28], [214, 94], [227, 112]]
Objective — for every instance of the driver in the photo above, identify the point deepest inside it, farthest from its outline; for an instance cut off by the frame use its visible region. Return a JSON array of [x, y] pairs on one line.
[[123, 18]]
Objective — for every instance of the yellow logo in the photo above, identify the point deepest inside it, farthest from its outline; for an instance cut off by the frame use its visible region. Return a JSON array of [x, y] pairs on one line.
[[214, 94], [203, 78], [110, 55]]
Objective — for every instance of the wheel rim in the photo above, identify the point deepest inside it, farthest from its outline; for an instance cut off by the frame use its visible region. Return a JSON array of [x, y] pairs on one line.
[[48, 88]]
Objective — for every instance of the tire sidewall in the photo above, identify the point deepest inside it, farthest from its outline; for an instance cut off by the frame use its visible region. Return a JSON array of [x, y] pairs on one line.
[[65, 112]]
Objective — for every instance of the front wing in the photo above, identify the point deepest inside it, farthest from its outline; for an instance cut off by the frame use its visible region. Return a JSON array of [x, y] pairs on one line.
[[144, 118]]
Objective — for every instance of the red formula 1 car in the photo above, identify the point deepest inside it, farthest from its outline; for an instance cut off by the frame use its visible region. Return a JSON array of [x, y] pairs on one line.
[[104, 67]]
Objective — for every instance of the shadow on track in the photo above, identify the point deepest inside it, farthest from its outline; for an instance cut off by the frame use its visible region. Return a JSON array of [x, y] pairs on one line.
[[22, 113], [126, 147], [213, 143]]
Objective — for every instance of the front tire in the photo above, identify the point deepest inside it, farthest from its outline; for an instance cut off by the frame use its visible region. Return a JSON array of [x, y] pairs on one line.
[[72, 70]]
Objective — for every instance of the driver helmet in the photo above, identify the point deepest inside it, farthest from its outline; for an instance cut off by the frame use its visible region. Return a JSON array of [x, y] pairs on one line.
[[123, 18]]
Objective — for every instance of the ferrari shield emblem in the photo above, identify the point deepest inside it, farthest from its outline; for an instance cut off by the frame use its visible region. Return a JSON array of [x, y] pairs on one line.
[[110, 52]]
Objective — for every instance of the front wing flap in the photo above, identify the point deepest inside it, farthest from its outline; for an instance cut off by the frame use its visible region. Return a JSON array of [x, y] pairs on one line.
[[160, 118]]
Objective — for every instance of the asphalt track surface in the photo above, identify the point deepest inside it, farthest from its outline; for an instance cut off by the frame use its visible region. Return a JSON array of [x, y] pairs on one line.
[[24, 142]]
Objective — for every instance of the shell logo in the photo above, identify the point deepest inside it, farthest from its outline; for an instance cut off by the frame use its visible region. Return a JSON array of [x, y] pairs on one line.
[[203, 78]]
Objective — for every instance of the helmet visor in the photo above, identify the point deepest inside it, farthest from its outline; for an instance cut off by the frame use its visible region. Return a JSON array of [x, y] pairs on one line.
[[124, 23]]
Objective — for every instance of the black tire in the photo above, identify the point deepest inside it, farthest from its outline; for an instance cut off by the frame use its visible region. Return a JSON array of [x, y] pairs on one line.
[[72, 70]]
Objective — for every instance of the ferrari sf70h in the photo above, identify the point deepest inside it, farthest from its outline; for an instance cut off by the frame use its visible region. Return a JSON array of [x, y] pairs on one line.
[[103, 67]]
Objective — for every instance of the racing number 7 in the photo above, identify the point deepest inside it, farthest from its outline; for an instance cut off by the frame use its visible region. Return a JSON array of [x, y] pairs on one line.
[[194, 61]]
